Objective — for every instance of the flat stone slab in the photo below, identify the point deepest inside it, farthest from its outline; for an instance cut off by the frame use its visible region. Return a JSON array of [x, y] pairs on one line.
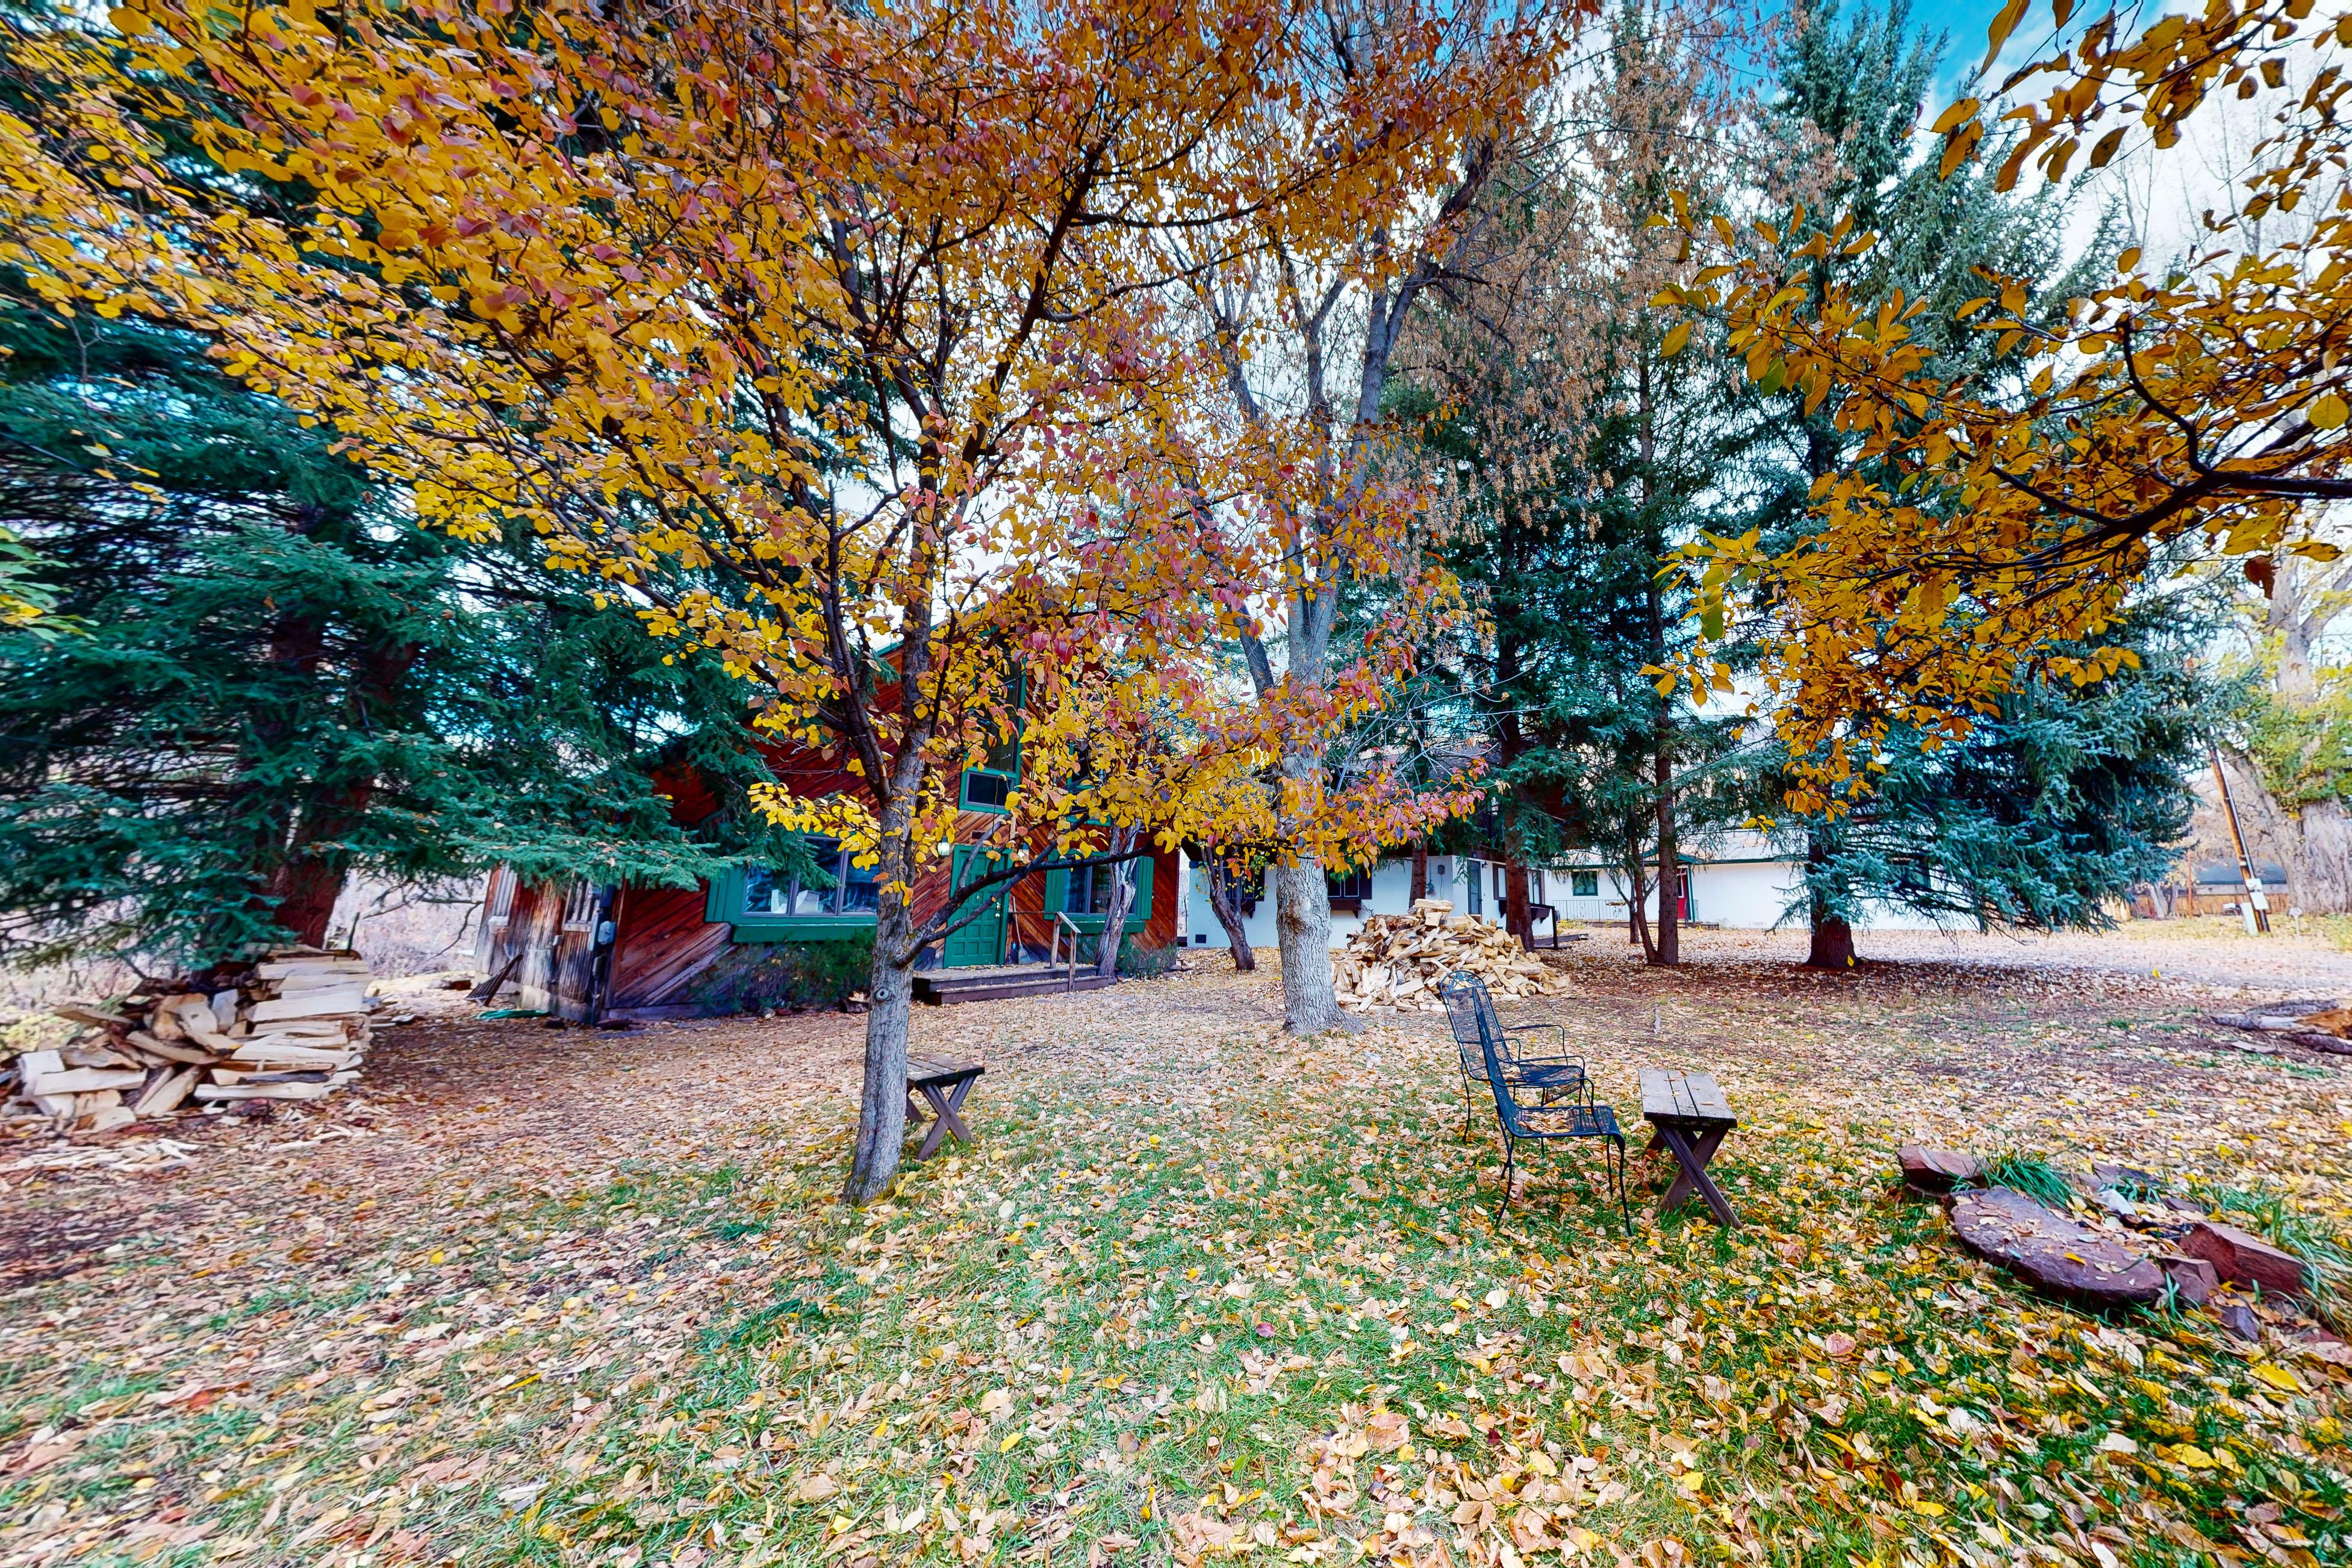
[[2195, 1278], [1937, 1170], [2053, 1253], [2246, 1260]]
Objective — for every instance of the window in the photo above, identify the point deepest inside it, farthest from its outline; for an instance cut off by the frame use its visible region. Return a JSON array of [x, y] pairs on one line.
[[1356, 884], [580, 906], [1088, 890], [772, 894], [1502, 889], [1584, 884], [985, 791], [1477, 885]]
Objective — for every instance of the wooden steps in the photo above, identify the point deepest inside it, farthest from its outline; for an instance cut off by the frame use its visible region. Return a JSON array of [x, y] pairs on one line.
[[938, 987]]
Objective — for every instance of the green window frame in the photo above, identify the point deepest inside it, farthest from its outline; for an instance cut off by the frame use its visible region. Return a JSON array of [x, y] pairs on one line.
[[1057, 898], [1584, 884], [723, 904], [1002, 770], [964, 800]]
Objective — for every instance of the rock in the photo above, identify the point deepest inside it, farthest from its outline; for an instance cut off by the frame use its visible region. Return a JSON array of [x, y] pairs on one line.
[[2246, 1260], [2239, 1319], [2116, 1204], [2193, 1278], [2311, 1040], [1938, 1170], [2053, 1253]]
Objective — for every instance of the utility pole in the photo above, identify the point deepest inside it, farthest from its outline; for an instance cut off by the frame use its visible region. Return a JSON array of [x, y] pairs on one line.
[[2256, 906]]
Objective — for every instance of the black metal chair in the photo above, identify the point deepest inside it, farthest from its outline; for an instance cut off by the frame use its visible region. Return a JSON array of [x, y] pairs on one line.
[[1471, 1013], [1563, 1108]]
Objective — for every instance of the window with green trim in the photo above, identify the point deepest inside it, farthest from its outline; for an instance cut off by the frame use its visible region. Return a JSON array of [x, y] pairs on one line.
[[772, 894], [986, 790], [1083, 894], [1584, 884]]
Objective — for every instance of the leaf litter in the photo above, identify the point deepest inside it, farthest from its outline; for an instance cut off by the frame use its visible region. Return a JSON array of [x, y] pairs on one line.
[[1199, 1293]]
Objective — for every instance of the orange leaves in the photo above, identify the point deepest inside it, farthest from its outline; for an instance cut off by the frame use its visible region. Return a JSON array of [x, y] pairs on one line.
[[1985, 521]]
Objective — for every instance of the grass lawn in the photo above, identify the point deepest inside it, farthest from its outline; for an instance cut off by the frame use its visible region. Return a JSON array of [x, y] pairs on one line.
[[1199, 1292]]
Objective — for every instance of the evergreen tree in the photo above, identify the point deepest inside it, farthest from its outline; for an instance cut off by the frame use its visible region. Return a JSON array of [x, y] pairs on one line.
[[2041, 814], [274, 680], [1851, 86], [1585, 451], [252, 675]]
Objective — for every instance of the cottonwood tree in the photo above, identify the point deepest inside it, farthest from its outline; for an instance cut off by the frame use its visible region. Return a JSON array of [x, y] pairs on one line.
[[863, 309], [1987, 532]]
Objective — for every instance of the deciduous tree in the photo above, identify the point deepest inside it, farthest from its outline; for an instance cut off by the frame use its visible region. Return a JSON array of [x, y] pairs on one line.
[[1989, 534], [863, 313]]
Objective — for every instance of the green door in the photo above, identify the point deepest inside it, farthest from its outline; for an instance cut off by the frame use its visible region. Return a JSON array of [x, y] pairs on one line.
[[981, 942]]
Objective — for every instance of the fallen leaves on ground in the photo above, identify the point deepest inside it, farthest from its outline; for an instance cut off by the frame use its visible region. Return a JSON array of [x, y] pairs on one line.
[[1200, 1292]]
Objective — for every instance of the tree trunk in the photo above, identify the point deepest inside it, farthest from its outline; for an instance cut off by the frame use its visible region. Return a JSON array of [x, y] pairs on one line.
[[1122, 899], [1637, 918], [1668, 950], [305, 885], [303, 889], [1229, 915], [1420, 890], [1832, 943], [1302, 918], [2326, 832], [1515, 918], [890, 992], [1832, 936]]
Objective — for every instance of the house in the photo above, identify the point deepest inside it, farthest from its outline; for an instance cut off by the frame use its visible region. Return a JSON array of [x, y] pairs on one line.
[[1741, 880], [753, 937]]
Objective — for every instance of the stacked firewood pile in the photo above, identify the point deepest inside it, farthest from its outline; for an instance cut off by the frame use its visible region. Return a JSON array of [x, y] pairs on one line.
[[1396, 961], [293, 1027]]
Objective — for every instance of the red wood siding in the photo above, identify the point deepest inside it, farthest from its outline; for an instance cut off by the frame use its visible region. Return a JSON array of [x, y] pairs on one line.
[[663, 943]]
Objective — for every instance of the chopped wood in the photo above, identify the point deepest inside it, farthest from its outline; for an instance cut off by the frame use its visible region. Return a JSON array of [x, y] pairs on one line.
[[1398, 960], [83, 1080], [224, 1091], [166, 1093], [294, 1026], [303, 969], [311, 1004], [78, 1013], [170, 1051]]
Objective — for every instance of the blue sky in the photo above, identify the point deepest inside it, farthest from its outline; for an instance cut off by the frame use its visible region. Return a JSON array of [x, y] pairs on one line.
[[1965, 21]]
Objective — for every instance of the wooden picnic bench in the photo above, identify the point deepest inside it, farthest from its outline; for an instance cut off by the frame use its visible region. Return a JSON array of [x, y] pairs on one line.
[[1688, 1117], [943, 1086]]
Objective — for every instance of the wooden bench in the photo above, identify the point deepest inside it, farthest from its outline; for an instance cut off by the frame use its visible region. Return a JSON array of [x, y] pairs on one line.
[[943, 1086], [1688, 1117]]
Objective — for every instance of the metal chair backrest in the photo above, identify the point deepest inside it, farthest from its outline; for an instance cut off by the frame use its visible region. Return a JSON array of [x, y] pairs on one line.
[[1507, 1108], [1470, 1010]]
